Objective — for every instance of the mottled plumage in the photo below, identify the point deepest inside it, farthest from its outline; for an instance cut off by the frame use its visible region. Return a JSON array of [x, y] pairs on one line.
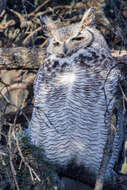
[[76, 95]]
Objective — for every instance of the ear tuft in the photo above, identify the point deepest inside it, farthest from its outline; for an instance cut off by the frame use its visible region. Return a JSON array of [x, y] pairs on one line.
[[48, 22], [88, 17]]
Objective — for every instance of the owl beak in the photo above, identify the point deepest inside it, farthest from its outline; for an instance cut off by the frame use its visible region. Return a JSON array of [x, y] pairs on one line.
[[65, 49]]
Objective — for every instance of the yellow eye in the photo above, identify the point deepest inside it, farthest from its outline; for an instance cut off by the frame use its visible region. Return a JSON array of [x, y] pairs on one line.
[[77, 39], [56, 43]]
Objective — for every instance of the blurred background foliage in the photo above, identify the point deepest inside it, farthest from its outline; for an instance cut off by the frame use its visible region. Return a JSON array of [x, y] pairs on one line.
[[20, 20]]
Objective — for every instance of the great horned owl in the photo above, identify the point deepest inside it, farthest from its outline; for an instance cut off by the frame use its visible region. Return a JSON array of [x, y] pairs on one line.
[[76, 95]]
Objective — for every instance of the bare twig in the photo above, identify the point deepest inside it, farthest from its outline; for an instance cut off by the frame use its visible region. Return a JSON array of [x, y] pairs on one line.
[[63, 7], [2, 13], [6, 25], [109, 143], [124, 96], [33, 174], [23, 22], [44, 43], [25, 41], [11, 159], [38, 14], [38, 8]]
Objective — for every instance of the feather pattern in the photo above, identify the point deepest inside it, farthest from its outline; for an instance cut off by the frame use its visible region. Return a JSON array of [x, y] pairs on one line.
[[69, 112]]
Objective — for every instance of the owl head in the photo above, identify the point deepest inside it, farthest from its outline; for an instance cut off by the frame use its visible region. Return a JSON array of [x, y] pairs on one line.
[[67, 39]]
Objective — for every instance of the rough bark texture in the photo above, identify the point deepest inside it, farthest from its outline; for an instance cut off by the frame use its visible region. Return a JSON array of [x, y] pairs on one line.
[[27, 58], [21, 58]]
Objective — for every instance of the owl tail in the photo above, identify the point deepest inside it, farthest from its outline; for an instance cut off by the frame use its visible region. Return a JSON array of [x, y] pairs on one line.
[[70, 184]]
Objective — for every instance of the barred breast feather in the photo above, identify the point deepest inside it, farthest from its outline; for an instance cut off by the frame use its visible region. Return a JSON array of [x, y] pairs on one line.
[[71, 96]]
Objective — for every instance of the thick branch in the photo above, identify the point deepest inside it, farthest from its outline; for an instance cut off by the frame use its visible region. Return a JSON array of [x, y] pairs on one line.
[[21, 58], [31, 58]]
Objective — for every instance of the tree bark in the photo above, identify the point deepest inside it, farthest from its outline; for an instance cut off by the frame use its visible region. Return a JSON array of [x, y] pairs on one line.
[[31, 58], [21, 58]]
